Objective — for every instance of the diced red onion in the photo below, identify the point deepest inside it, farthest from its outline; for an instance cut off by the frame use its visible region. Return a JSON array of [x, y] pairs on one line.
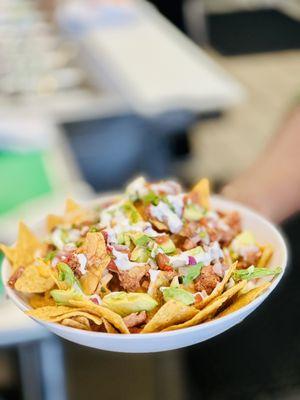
[[218, 270], [120, 247], [192, 260], [94, 300]]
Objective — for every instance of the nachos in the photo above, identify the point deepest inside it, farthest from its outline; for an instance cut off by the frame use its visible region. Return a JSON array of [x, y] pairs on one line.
[[152, 259]]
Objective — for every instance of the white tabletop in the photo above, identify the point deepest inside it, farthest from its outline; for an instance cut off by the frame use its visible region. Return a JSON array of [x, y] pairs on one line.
[[16, 327]]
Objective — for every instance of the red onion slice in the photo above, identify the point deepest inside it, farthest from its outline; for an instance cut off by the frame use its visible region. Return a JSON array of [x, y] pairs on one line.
[[192, 260]]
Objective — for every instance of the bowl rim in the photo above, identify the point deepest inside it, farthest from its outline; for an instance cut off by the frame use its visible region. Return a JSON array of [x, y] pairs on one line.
[[242, 312]]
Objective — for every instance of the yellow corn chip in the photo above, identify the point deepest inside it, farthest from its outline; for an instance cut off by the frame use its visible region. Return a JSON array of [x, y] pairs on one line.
[[33, 281], [267, 252], [74, 214], [95, 250], [23, 253], [72, 323], [84, 321], [103, 312], [109, 327], [172, 312], [200, 193], [52, 221], [41, 300], [210, 309], [78, 313], [48, 312], [244, 299], [219, 288]]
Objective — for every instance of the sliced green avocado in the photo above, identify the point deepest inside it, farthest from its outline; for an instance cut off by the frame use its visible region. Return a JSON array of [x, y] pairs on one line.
[[65, 274], [62, 297], [193, 212], [139, 239], [131, 212], [175, 293], [167, 246], [194, 251], [139, 254], [126, 303]]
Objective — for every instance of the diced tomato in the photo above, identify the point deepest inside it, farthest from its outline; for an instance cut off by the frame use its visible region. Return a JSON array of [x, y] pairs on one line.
[[112, 266], [161, 239], [163, 262], [198, 298]]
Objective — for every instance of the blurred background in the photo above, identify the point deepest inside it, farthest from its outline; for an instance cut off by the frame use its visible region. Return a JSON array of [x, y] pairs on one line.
[[95, 92]]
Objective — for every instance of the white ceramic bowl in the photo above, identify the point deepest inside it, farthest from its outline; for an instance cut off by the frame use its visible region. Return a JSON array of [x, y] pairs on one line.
[[264, 232]]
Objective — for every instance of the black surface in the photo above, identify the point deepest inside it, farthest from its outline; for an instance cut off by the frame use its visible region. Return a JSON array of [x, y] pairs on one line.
[[253, 32], [260, 358]]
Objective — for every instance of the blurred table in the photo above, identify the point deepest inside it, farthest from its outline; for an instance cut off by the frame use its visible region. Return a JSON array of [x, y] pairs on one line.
[[40, 354]]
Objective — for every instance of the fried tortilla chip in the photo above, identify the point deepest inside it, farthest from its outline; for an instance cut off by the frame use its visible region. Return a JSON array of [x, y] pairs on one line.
[[52, 221], [245, 299], [78, 313], [84, 321], [74, 214], [102, 312], [219, 288], [34, 280], [109, 327], [48, 312], [200, 194], [172, 312], [210, 310], [41, 300], [267, 252], [74, 324], [94, 248], [23, 253]]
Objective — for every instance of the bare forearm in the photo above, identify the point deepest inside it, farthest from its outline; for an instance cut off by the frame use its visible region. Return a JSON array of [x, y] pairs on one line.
[[272, 184]]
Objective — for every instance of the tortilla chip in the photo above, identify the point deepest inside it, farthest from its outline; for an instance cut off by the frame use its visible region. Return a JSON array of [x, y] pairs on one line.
[[94, 248], [74, 324], [78, 313], [109, 327], [52, 221], [267, 252], [210, 309], [102, 312], [48, 312], [172, 312], [23, 253], [41, 300], [244, 299], [84, 321], [200, 193], [218, 290], [74, 214], [33, 280]]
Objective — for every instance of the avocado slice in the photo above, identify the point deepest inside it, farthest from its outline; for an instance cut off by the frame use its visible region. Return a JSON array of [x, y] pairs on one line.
[[193, 212], [176, 293], [139, 254], [167, 246], [65, 274], [126, 303], [62, 297], [131, 212]]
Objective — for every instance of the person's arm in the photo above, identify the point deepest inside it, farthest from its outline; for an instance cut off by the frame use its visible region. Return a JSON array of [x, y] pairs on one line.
[[272, 184]]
